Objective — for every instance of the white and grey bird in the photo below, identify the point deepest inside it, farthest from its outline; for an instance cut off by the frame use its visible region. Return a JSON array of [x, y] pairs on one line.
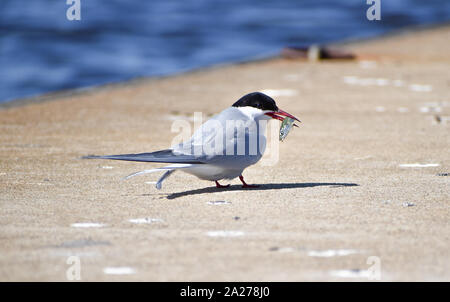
[[222, 147]]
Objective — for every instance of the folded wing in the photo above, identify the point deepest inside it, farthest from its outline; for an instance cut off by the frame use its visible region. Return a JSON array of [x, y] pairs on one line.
[[163, 156]]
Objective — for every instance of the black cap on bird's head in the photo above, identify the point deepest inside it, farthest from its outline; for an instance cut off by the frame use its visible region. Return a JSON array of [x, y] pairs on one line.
[[264, 102], [257, 100]]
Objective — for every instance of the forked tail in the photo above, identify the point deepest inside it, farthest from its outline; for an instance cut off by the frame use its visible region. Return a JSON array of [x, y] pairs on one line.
[[169, 170]]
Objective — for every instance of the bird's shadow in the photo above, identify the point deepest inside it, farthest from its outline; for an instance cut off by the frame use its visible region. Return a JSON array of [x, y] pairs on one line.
[[272, 186]]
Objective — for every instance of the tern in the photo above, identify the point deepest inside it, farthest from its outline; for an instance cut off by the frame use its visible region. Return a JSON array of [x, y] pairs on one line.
[[221, 148]]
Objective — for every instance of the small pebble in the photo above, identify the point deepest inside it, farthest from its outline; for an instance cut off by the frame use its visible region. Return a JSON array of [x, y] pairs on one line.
[[443, 174], [119, 270], [351, 273], [420, 88], [418, 165], [145, 220], [408, 204], [402, 109], [218, 202], [87, 225], [225, 233]]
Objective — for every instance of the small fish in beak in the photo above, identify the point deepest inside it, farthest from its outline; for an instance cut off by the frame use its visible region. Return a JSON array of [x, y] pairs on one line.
[[288, 121], [285, 127]]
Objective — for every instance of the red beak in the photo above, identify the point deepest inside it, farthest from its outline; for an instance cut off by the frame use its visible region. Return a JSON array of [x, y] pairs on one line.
[[280, 115]]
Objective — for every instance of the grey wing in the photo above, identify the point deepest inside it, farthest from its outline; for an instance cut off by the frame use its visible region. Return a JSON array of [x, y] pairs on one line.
[[163, 156], [194, 151], [210, 138], [216, 142]]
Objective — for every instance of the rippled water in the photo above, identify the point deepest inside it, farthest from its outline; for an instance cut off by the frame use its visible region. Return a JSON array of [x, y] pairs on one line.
[[41, 51]]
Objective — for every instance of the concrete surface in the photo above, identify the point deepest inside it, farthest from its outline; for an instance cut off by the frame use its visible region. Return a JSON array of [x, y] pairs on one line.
[[337, 195]]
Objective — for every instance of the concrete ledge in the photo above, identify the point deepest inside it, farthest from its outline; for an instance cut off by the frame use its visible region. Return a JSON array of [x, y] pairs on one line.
[[365, 175]]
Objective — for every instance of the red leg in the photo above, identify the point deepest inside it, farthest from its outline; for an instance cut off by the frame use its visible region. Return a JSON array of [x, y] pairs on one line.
[[218, 185], [245, 185]]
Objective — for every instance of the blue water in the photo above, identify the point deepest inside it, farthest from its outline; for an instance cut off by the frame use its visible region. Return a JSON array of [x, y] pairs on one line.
[[41, 51]]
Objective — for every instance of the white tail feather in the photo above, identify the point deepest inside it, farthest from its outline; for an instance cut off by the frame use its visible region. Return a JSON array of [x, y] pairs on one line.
[[142, 172], [165, 175], [169, 170]]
